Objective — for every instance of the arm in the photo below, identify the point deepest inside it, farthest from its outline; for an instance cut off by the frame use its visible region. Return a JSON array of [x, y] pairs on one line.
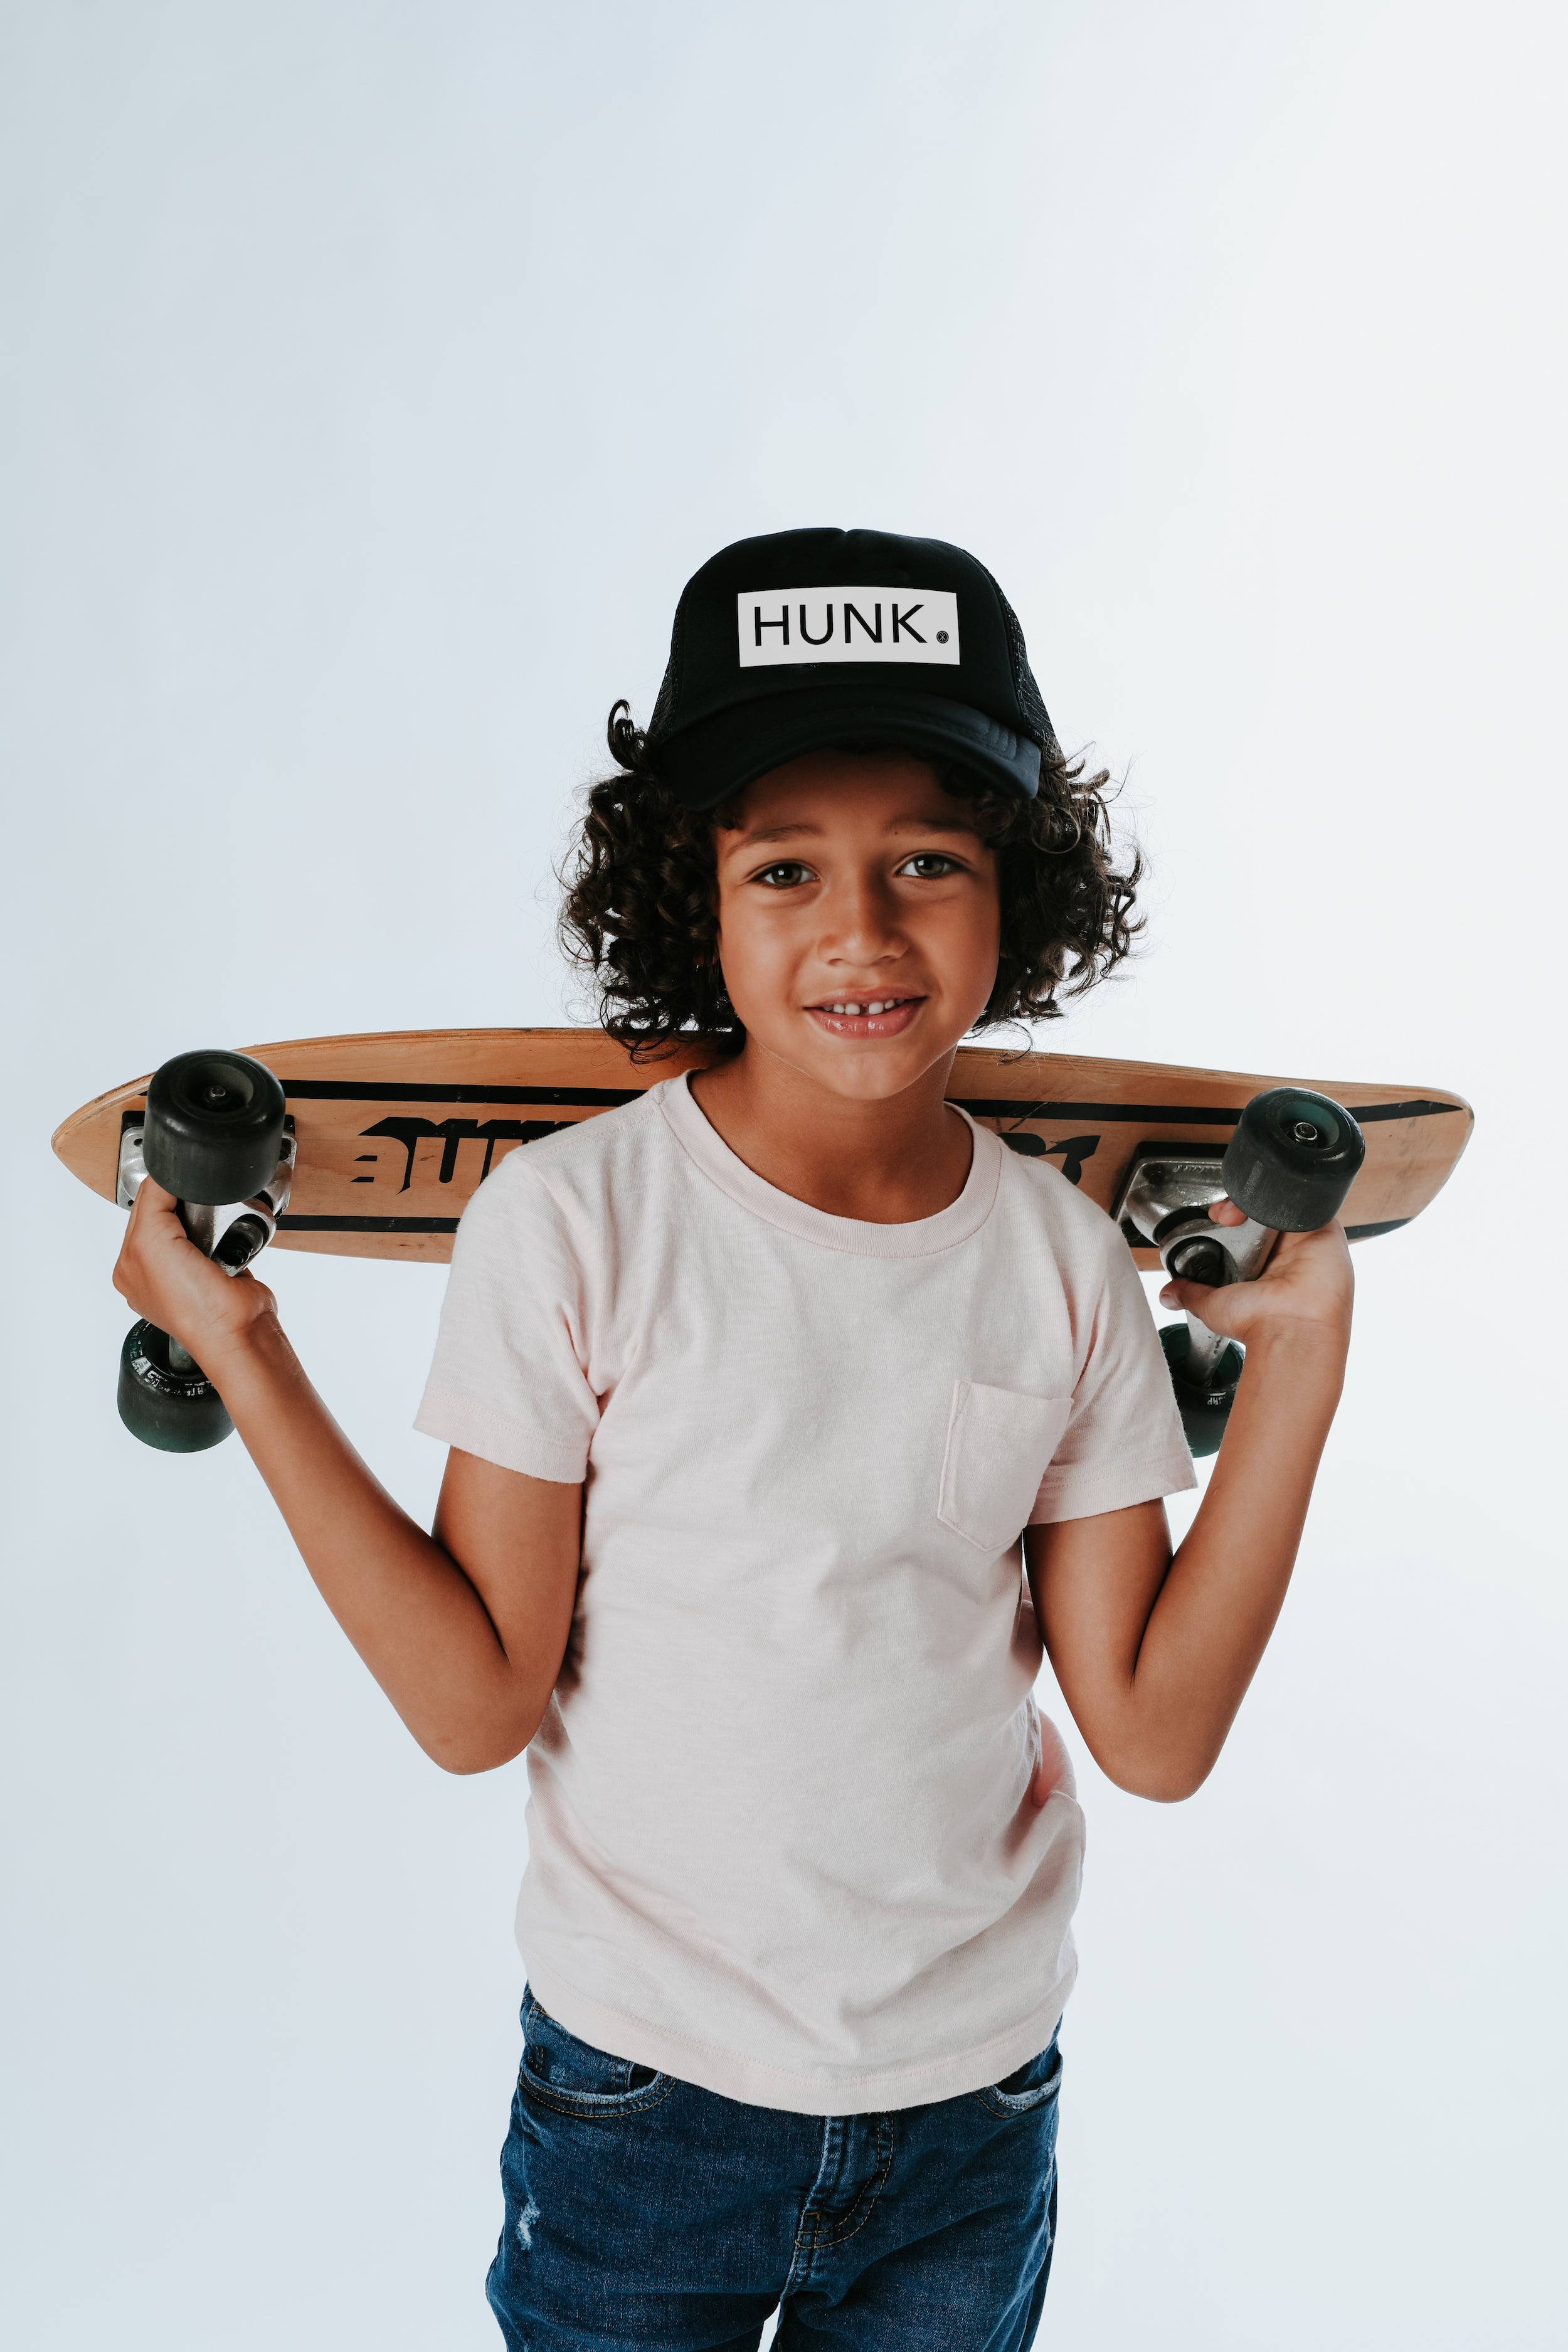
[[464, 1629], [1153, 1653]]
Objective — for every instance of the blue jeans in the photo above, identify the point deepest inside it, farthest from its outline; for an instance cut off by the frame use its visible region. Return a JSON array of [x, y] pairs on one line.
[[644, 2213]]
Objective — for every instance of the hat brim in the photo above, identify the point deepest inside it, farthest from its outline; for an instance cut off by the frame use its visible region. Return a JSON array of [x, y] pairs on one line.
[[706, 762]]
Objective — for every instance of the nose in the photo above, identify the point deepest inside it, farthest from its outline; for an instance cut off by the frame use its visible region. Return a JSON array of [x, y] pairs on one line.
[[860, 925]]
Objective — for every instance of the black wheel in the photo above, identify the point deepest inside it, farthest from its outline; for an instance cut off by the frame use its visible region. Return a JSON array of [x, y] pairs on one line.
[[163, 1405], [1293, 1159], [1205, 1407], [213, 1126]]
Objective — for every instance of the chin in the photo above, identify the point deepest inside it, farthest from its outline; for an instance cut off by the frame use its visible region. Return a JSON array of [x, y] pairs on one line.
[[869, 1073], [871, 1084]]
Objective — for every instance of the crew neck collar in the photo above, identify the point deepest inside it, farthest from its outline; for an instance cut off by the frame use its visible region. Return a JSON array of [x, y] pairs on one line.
[[704, 1144]]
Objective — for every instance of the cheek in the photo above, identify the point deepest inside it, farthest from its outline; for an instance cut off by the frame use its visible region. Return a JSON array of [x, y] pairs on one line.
[[751, 951], [973, 944], [992, 928]]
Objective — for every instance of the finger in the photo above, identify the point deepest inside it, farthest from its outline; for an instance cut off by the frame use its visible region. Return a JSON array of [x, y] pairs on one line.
[[1225, 1212], [153, 1205], [1194, 1299], [160, 1203]]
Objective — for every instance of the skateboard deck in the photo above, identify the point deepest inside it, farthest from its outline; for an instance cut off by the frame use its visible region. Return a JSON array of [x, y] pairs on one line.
[[395, 1131]]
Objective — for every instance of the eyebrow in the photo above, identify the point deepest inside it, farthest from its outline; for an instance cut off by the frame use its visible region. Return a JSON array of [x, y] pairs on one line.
[[895, 825]]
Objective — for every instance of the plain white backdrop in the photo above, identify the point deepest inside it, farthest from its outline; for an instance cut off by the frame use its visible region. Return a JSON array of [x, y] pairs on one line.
[[374, 373]]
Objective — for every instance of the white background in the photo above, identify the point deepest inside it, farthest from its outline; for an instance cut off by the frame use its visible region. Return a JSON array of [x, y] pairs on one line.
[[374, 374]]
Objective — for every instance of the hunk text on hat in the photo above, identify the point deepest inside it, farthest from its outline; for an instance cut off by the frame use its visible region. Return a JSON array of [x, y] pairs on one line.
[[783, 626]]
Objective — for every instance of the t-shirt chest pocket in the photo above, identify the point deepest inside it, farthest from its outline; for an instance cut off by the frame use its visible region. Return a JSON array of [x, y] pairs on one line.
[[999, 1445]]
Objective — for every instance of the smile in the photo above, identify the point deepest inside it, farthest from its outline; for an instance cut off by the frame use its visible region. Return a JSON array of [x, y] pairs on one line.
[[866, 1016]]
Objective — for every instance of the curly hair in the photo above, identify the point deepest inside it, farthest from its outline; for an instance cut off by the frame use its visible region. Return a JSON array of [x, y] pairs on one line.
[[640, 917]]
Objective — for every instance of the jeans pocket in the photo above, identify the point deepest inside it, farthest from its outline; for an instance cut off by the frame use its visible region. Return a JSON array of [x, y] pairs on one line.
[[1029, 2087], [561, 2071], [999, 1446]]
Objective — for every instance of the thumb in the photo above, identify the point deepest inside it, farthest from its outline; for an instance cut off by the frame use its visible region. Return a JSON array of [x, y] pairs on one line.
[[155, 1212], [1193, 1297]]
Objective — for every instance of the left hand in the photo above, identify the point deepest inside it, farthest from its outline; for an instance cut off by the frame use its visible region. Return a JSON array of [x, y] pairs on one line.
[[1308, 1283]]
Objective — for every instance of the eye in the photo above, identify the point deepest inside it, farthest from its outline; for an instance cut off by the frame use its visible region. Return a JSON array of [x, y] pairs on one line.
[[930, 865], [788, 875]]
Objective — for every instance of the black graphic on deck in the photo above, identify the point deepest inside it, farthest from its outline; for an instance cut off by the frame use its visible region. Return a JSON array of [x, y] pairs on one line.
[[1075, 1151], [412, 1132]]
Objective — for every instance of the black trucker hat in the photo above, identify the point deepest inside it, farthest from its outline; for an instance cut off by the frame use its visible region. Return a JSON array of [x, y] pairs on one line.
[[807, 640]]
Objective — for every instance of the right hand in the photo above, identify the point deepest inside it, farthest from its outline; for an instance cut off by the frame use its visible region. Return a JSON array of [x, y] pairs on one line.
[[162, 1275]]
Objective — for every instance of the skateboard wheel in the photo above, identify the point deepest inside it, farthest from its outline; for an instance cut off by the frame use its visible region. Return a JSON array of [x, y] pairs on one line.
[[1204, 1409], [1293, 1159], [177, 1412], [213, 1126]]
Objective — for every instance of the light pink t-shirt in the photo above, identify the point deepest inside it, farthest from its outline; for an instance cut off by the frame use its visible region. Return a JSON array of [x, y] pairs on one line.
[[781, 1842]]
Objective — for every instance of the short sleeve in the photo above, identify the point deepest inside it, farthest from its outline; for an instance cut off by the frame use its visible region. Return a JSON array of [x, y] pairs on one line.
[[508, 1381], [1123, 1442]]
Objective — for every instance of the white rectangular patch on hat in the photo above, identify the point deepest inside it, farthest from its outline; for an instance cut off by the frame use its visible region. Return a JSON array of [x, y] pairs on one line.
[[780, 625]]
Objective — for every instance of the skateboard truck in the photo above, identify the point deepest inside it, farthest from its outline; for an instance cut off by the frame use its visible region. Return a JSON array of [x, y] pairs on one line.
[[230, 1233], [216, 1134], [1288, 1165]]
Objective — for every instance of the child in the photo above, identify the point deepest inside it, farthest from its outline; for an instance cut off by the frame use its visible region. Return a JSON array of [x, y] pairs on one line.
[[766, 1392]]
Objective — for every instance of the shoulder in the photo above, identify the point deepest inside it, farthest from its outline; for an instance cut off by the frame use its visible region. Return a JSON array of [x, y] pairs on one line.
[[1089, 1245], [585, 1166]]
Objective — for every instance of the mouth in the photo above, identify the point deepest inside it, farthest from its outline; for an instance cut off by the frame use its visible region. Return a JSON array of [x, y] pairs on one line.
[[865, 1016]]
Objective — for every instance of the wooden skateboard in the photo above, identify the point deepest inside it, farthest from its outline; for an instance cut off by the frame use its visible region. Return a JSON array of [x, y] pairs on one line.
[[370, 1146], [394, 1132]]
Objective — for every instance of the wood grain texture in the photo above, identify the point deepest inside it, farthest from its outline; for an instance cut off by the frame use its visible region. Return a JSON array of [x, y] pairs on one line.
[[395, 1131]]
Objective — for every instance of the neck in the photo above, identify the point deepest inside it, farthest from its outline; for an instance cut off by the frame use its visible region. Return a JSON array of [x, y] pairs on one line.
[[887, 1162]]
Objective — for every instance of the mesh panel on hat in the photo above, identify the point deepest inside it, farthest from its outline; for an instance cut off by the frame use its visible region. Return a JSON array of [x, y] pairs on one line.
[[1030, 701], [669, 685]]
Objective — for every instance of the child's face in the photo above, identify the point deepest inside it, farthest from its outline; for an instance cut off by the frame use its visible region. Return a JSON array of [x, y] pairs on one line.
[[855, 881]]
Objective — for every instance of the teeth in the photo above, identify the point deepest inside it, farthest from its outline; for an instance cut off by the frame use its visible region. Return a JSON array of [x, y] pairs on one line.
[[877, 1008]]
